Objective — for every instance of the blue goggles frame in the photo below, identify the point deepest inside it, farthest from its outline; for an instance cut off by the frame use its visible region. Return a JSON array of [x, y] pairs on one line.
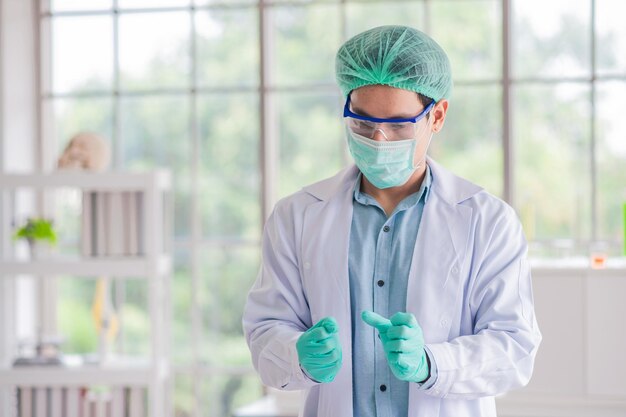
[[348, 113]]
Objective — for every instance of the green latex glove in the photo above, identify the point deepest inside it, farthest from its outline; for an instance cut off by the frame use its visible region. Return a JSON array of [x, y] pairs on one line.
[[403, 342], [319, 350]]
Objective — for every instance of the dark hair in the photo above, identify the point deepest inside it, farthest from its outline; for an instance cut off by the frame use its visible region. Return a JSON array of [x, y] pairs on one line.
[[425, 102]]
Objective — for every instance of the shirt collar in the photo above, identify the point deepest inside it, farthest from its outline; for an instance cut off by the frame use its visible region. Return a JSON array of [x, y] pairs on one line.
[[409, 201]]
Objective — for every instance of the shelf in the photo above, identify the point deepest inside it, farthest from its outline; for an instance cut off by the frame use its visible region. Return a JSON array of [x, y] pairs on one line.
[[266, 407], [615, 267], [543, 405], [122, 371], [113, 180], [150, 374], [115, 374], [125, 267]]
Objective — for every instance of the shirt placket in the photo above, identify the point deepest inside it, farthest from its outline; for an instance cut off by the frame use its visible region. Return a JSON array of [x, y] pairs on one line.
[[380, 289]]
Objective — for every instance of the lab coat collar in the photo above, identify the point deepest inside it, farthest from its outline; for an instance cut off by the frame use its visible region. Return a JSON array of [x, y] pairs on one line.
[[449, 187]]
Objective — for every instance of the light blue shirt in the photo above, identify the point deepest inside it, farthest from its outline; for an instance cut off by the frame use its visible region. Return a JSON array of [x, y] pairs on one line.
[[381, 250]]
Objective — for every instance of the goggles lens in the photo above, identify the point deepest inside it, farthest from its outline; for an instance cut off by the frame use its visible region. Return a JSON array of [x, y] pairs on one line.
[[392, 131]]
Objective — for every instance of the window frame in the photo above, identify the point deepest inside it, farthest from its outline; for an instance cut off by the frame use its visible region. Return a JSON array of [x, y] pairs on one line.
[[268, 125]]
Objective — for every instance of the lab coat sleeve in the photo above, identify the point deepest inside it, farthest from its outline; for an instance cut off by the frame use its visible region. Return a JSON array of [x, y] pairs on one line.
[[276, 311], [499, 355], [433, 372]]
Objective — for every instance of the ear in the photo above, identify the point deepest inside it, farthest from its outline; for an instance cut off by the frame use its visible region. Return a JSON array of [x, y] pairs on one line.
[[439, 114]]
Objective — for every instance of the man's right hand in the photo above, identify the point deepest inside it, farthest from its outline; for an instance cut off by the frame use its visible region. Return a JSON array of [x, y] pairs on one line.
[[319, 350]]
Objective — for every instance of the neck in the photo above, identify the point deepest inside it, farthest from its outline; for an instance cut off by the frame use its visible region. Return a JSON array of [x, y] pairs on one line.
[[389, 198]]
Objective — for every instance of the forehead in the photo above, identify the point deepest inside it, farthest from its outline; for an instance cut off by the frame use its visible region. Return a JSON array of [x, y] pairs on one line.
[[385, 102]]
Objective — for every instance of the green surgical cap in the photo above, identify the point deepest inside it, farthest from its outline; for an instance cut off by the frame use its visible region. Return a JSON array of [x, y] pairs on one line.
[[398, 56]]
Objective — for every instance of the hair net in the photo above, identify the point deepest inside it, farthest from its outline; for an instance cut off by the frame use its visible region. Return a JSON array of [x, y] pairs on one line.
[[398, 56]]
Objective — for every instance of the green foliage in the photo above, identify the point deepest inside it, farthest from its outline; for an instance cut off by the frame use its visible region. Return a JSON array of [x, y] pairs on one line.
[[229, 168], [37, 229], [307, 39]]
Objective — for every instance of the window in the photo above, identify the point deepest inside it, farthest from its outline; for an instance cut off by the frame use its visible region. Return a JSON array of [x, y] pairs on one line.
[[239, 100]]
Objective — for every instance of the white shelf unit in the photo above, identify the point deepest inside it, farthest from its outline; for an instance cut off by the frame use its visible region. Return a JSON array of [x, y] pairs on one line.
[[89, 267], [138, 388]]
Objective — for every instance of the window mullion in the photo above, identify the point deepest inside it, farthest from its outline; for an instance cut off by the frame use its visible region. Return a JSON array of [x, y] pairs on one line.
[[507, 107], [196, 223], [269, 158], [592, 127], [116, 131]]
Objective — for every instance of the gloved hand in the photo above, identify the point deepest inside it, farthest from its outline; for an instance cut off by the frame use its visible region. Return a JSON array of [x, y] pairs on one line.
[[319, 350], [403, 342]]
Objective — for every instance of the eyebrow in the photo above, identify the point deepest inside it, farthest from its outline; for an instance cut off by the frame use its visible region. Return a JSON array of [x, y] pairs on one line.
[[396, 116]]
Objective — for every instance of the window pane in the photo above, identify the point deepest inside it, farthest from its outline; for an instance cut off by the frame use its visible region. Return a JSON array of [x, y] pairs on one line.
[[553, 195], [473, 132], [474, 50], [153, 57], [184, 394], [228, 49], [221, 2], [74, 115], [155, 133], [134, 316], [182, 331], [311, 1], [65, 5], [229, 173], [75, 321], [151, 3], [222, 394], [77, 325], [611, 164], [307, 39], [311, 139], [611, 36], [227, 274], [182, 203], [82, 53], [551, 38], [363, 16]]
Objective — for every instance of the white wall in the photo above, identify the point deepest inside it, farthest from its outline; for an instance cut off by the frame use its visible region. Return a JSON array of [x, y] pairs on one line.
[[17, 85], [18, 138]]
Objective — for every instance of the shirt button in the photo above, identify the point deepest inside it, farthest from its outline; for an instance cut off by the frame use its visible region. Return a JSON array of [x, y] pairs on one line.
[[383, 387], [386, 229], [380, 282]]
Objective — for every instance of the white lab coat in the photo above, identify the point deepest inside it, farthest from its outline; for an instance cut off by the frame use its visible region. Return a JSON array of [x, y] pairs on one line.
[[469, 288]]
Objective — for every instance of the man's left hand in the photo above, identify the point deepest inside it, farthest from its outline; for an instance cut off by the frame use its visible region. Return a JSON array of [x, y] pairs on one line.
[[403, 342]]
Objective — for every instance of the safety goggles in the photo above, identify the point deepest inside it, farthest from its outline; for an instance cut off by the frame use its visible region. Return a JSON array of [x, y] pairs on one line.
[[392, 129]]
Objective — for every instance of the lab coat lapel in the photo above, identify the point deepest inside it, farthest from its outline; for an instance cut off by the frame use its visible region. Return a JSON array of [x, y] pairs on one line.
[[326, 232], [438, 261], [325, 248], [432, 281]]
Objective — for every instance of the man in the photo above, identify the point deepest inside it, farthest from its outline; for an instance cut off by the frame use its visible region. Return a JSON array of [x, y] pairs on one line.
[[393, 288]]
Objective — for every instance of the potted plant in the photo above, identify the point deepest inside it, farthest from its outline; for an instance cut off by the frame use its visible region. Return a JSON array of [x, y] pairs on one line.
[[36, 230]]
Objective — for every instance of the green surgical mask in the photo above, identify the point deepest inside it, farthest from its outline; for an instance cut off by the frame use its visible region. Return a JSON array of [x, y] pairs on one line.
[[385, 164]]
